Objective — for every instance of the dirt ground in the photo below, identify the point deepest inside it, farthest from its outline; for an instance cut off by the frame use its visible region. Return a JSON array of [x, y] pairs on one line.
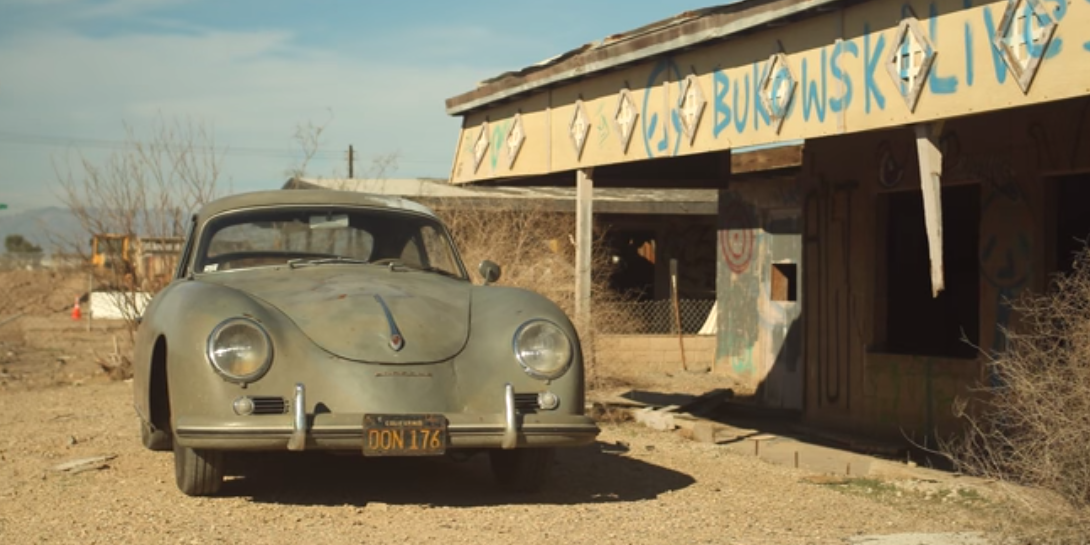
[[635, 485]]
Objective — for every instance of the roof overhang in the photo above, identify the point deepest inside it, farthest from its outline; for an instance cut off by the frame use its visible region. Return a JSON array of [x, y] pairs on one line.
[[677, 33]]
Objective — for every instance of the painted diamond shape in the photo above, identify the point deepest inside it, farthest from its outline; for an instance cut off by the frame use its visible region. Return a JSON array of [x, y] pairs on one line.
[[624, 118], [480, 147], [515, 137], [1022, 37], [691, 106], [910, 60], [578, 128], [778, 88]]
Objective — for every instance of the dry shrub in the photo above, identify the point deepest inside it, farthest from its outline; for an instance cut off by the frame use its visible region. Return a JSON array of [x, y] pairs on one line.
[[145, 190], [535, 246], [1030, 425]]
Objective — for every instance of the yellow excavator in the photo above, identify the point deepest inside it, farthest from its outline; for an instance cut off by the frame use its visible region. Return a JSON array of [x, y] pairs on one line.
[[150, 259]]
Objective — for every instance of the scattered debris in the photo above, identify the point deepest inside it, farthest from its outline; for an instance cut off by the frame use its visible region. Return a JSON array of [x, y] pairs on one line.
[[617, 447], [80, 465], [662, 419], [609, 414], [961, 538]]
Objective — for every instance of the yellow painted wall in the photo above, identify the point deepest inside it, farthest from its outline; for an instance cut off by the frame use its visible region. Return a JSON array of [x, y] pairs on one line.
[[842, 86]]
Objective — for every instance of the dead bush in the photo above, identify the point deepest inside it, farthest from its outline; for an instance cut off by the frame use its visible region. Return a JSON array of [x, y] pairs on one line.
[[139, 200], [536, 248], [1029, 424]]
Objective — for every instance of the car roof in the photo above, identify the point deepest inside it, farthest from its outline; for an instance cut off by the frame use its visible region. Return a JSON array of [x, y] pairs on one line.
[[316, 197]]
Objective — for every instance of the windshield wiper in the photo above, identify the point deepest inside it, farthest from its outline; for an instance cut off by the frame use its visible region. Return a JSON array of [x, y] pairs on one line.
[[301, 262], [398, 265], [437, 270]]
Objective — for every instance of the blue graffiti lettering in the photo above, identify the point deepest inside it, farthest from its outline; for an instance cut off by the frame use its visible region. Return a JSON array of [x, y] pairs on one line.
[[810, 98], [968, 47], [759, 110], [1057, 43], [721, 112], [870, 65], [969, 55], [939, 85], [741, 115], [841, 103], [1086, 45], [997, 58], [650, 121], [1034, 49]]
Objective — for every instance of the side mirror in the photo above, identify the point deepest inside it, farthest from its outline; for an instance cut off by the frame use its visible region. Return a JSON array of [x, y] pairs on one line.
[[490, 271]]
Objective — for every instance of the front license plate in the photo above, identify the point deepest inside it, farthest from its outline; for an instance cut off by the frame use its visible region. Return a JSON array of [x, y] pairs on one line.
[[404, 434]]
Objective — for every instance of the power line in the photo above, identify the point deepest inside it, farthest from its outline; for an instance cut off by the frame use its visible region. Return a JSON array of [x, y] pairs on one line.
[[95, 143]]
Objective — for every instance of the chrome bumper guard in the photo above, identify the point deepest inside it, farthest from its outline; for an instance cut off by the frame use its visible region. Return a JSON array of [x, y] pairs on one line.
[[298, 440], [510, 424]]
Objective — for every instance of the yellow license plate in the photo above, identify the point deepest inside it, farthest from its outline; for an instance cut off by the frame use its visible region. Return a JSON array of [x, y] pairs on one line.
[[404, 434]]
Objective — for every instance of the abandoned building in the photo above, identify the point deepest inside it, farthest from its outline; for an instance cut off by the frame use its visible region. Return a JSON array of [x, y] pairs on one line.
[[945, 168]]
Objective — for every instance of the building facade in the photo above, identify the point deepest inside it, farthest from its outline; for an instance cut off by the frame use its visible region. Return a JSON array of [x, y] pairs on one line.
[[944, 173]]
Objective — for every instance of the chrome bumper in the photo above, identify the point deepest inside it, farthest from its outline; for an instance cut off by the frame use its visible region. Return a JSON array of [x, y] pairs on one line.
[[342, 432], [298, 440], [510, 424]]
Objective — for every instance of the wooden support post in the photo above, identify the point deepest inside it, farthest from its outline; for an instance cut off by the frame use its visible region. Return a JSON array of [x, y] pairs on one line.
[[677, 312], [584, 240], [930, 158]]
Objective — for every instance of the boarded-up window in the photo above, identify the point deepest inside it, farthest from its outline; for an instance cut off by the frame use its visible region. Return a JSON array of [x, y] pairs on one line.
[[784, 281]]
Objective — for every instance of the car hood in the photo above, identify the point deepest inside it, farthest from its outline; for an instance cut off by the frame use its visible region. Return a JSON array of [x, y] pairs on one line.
[[348, 310]]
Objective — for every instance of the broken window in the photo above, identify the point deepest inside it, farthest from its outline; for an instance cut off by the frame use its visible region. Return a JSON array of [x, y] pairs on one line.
[[916, 322]]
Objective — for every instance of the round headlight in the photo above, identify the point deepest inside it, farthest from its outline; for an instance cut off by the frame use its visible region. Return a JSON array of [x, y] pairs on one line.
[[240, 350], [543, 349]]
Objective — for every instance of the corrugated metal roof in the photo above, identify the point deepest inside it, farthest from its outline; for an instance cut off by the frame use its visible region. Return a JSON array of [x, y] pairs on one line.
[[681, 31], [606, 200]]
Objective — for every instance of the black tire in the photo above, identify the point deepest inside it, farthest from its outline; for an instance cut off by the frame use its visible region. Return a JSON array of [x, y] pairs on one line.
[[153, 439], [198, 472], [522, 470]]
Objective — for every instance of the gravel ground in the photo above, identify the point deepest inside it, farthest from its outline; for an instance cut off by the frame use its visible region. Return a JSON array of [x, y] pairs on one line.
[[634, 486]]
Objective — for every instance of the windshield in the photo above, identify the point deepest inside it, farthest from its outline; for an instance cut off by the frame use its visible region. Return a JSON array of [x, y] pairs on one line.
[[319, 236]]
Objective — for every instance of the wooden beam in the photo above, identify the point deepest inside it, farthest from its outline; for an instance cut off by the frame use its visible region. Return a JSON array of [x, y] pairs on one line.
[[766, 159], [584, 239], [930, 158]]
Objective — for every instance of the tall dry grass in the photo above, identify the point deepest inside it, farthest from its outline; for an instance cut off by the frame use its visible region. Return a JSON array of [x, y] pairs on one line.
[[1029, 424], [535, 248]]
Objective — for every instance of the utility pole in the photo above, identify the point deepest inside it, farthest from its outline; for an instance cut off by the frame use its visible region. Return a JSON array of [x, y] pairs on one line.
[[351, 161]]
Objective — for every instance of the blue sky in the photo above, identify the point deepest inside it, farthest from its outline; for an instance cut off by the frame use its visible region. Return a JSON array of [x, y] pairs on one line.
[[73, 73]]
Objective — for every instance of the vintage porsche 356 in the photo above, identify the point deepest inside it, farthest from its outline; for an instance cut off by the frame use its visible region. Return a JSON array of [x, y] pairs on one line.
[[339, 321]]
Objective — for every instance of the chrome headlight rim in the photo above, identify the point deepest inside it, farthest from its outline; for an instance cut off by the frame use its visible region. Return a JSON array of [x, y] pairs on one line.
[[230, 377], [530, 370]]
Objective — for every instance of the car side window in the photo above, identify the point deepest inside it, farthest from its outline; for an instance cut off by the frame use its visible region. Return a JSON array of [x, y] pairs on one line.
[[437, 249]]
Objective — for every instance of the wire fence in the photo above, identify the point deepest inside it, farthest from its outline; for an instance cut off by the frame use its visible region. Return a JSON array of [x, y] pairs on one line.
[[659, 317]]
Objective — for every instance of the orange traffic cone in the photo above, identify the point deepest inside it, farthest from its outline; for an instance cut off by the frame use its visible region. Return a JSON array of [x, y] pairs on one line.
[[76, 314]]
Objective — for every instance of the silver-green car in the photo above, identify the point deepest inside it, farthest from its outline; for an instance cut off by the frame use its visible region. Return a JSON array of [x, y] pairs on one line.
[[327, 320]]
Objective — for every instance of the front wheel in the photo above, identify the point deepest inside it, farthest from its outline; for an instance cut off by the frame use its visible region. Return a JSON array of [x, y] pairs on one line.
[[522, 470], [198, 472], [153, 439]]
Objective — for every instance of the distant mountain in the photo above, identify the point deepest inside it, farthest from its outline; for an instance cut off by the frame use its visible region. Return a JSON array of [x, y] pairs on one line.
[[43, 227]]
